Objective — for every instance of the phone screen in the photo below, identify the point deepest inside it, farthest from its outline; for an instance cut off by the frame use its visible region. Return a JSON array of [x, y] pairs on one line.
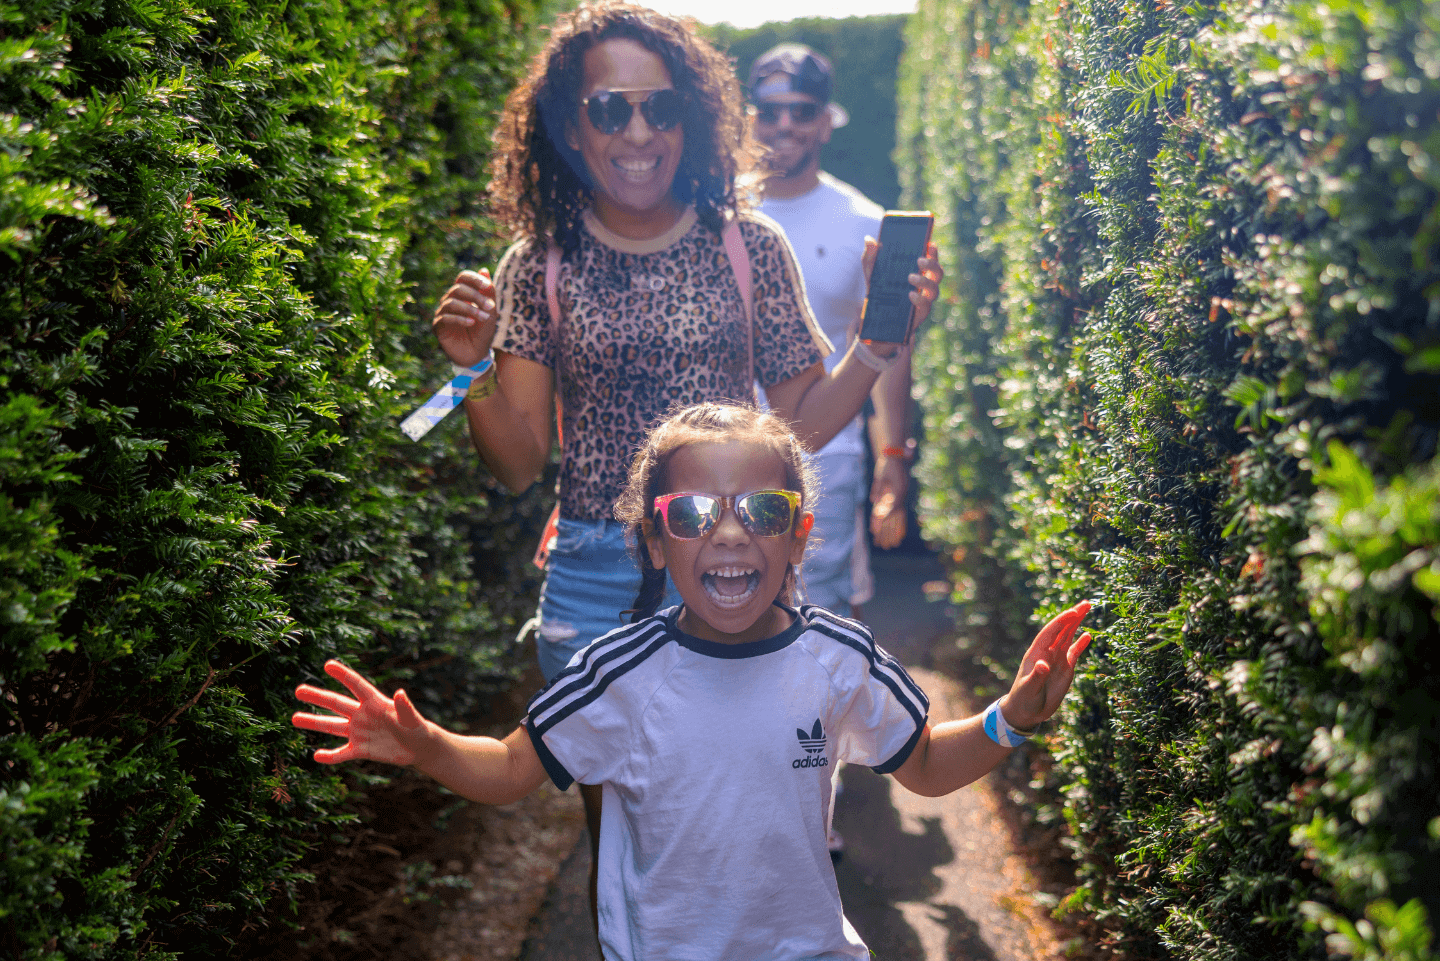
[[904, 235]]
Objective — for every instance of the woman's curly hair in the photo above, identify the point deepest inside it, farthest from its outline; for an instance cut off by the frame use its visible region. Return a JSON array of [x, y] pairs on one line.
[[713, 422], [539, 186]]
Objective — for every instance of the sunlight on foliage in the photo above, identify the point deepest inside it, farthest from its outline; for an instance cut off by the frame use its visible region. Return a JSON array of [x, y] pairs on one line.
[[215, 222], [1185, 364]]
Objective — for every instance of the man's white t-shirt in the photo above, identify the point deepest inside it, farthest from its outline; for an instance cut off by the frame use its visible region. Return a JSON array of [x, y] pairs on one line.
[[827, 228], [716, 763]]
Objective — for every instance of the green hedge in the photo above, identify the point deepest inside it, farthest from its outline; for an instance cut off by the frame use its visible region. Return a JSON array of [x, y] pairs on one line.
[[866, 54], [1188, 365], [212, 216]]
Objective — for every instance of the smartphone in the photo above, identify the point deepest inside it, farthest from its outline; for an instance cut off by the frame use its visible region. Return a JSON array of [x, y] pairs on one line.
[[904, 237]]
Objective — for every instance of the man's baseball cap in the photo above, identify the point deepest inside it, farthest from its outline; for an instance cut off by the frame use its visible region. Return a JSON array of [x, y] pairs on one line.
[[795, 68]]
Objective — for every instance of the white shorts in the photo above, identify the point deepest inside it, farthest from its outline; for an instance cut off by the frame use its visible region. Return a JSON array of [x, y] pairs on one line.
[[836, 571]]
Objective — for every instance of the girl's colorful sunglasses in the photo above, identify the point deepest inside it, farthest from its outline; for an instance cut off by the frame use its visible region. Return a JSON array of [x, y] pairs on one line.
[[763, 513], [610, 112]]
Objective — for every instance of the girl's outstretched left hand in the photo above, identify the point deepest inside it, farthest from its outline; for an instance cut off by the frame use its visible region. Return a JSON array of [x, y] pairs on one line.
[[377, 728], [1047, 671]]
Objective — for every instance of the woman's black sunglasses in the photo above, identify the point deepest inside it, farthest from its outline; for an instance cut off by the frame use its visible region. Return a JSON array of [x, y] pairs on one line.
[[610, 112]]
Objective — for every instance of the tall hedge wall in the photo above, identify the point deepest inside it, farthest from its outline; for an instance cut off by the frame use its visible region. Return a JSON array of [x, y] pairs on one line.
[[214, 217], [1188, 365]]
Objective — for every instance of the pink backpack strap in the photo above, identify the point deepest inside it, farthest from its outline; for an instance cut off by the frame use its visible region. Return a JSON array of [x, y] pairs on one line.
[[552, 285], [740, 264], [552, 299]]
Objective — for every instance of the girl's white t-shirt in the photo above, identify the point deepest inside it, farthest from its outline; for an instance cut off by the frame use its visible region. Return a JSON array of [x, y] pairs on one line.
[[716, 762]]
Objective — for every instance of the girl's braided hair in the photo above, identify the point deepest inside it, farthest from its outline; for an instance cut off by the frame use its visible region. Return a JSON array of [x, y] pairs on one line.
[[708, 423], [539, 185]]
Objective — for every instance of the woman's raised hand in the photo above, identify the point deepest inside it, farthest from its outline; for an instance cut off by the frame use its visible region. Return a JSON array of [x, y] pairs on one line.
[[1047, 670], [924, 283], [377, 728], [465, 318]]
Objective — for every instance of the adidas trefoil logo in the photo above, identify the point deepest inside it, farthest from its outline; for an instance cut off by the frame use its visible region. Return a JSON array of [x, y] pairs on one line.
[[814, 745]]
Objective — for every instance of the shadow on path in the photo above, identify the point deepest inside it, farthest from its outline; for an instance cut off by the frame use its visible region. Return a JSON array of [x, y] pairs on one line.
[[885, 866]]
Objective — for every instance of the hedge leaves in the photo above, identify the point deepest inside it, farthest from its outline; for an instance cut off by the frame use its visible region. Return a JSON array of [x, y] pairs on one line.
[[1187, 367], [211, 218]]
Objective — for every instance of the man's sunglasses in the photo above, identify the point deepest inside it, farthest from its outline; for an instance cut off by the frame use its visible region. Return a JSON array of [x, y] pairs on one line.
[[763, 513], [610, 112], [802, 112]]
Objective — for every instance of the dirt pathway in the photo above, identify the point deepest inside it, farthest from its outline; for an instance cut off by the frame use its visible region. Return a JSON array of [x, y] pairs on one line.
[[932, 879], [922, 879]]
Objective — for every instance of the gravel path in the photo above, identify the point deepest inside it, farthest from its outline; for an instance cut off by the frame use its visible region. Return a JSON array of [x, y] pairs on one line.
[[922, 879]]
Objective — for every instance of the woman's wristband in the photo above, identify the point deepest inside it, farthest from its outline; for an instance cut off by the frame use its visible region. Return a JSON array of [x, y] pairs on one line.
[[999, 730], [486, 364], [874, 361], [483, 380]]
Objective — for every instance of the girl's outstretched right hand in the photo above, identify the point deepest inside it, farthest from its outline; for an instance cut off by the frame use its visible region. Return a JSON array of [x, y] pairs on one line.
[[376, 727]]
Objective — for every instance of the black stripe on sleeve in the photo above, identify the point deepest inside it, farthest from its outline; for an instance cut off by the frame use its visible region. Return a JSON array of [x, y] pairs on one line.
[[556, 704], [574, 678], [883, 667], [553, 767], [901, 755]]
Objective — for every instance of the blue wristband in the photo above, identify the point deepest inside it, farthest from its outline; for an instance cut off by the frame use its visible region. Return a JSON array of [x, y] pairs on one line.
[[446, 399], [1000, 731]]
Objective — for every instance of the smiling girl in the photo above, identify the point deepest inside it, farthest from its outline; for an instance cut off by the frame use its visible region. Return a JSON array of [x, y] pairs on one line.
[[712, 727]]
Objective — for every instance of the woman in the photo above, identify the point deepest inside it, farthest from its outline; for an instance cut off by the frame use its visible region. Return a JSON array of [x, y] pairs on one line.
[[621, 149]]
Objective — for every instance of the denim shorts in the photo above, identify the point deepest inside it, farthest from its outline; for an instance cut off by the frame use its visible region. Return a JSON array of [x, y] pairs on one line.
[[836, 571], [590, 578]]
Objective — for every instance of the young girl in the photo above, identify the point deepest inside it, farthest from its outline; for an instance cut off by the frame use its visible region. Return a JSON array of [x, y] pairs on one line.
[[714, 725]]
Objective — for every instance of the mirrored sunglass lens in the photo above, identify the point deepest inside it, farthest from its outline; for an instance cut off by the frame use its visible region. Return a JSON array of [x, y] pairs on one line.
[[803, 112], [767, 113], [690, 516], [662, 109], [608, 112], [765, 513]]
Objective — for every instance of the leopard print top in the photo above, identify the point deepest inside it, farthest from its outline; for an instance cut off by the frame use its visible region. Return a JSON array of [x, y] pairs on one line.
[[647, 325]]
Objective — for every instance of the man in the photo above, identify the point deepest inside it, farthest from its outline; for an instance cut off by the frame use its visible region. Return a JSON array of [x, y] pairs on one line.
[[827, 221]]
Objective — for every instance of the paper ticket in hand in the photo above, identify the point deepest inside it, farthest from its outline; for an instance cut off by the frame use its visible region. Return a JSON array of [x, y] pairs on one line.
[[446, 399]]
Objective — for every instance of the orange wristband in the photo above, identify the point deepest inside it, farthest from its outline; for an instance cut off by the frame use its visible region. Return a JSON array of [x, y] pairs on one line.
[[892, 452]]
